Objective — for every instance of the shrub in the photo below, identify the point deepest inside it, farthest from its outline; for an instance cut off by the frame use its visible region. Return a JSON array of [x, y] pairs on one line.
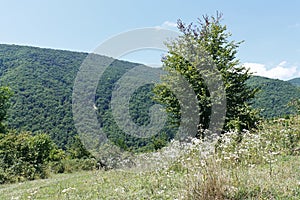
[[24, 156]]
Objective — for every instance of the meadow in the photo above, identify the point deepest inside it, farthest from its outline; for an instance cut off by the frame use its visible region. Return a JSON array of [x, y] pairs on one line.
[[264, 164]]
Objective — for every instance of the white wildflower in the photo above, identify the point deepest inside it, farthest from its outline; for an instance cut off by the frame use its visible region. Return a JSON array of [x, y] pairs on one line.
[[67, 190]]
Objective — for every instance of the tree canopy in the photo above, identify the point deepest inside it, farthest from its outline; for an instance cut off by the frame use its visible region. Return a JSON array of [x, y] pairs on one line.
[[210, 36]]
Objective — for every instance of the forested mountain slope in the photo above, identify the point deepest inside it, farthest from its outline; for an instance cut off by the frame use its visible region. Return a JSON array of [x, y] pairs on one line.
[[273, 96], [295, 81], [42, 82]]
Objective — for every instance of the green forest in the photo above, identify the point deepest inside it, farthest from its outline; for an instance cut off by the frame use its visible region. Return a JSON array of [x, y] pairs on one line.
[[41, 81], [274, 96]]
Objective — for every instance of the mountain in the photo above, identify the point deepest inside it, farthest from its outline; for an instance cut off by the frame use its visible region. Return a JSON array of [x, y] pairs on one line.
[[42, 81], [295, 81], [273, 96]]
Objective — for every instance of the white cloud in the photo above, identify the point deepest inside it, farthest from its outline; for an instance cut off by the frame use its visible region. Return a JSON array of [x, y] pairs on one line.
[[167, 24], [281, 71]]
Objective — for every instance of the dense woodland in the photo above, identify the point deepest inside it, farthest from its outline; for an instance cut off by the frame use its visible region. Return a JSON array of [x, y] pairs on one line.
[[274, 96], [41, 81]]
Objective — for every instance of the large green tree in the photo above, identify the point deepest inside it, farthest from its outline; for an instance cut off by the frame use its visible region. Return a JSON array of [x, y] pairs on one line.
[[209, 39]]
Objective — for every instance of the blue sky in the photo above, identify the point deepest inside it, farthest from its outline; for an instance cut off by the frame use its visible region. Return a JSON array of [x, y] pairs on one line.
[[271, 29]]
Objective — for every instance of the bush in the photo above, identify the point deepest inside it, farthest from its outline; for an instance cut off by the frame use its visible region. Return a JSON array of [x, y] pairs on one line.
[[73, 165], [24, 156]]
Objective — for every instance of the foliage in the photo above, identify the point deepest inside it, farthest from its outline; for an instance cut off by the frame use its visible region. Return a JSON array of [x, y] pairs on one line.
[[139, 105], [73, 165], [273, 96], [212, 38], [295, 104], [295, 81], [24, 156], [76, 150], [42, 82], [5, 95]]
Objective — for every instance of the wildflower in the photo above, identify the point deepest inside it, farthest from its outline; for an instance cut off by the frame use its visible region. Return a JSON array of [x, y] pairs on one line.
[[34, 192], [275, 153], [196, 141], [120, 189], [68, 190], [161, 191]]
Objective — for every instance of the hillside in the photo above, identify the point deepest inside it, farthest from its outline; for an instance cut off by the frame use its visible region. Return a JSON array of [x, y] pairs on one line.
[[42, 81], [295, 81], [274, 96]]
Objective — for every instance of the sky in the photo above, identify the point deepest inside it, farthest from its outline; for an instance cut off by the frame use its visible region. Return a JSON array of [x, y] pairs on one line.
[[270, 29]]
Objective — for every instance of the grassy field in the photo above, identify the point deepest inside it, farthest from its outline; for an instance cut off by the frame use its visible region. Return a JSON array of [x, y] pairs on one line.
[[263, 165], [115, 184], [281, 181]]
